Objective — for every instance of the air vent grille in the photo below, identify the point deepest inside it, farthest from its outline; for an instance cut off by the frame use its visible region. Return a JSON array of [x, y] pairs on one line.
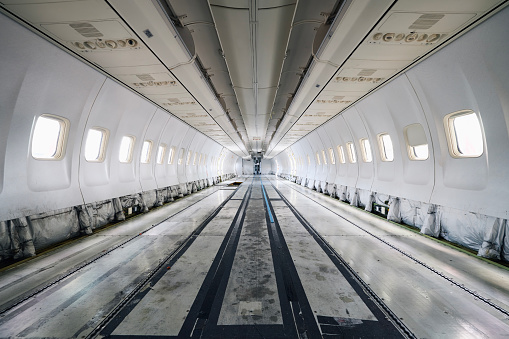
[[145, 77], [358, 79], [338, 97], [174, 100], [86, 29], [179, 103], [319, 101], [154, 83], [366, 72], [426, 21]]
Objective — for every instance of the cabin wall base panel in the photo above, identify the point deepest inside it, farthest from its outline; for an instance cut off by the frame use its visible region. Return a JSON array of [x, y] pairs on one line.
[[26, 236], [488, 235]]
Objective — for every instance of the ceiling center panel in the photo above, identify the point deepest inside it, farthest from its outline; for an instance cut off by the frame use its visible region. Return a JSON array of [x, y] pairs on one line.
[[254, 36]]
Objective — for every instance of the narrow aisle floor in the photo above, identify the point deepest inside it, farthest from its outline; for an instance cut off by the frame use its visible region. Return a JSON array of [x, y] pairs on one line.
[[266, 259], [253, 277]]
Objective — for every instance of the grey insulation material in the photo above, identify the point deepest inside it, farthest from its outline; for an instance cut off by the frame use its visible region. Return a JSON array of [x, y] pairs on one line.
[[6, 245], [493, 241], [14, 242], [134, 200], [343, 193], [354, 198], [174, 193], [332, 191], [17, 252], [464, 228], [117, 206], [350, 194], [311, 183], [413, 212], [505, 245], [431, 222], [86, 218], [148, 199], [369, 203], [97, 214], [382, 199], [316, 185], [394, 213], [183, 190], [364, 196], [323, 187], [54, 227], [161, 196], [104, 213]]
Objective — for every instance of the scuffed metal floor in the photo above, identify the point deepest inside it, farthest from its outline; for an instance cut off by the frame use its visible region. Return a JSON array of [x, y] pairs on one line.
[[246, 261]]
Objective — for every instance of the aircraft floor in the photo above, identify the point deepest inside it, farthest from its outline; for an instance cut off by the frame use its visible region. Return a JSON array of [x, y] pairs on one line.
[[266, 259]]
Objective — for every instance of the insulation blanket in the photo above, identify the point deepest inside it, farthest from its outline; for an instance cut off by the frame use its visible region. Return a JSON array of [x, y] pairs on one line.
[[54, 227], [413, 212], [105, 213], [463, 228]]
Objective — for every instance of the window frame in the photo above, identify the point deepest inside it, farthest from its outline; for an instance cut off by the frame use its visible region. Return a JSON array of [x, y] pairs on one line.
[[350, 149], [130, 152], [364, 150], [61, 144], [102, 147], [382, 148], [411, 149], [189, 155], [148, 157], [161, 161], [341, 154], [171, 155], [318, 158], [452, 138], [324, 157], [182, 153], [332, 158]]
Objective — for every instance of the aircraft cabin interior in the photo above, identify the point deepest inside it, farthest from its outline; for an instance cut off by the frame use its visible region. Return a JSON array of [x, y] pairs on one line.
[[254, 169]]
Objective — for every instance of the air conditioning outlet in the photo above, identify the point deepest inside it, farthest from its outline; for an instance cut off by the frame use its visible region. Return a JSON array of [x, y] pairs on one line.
[[366, 72], [154, 84], [358, 79], [320, 101], [101, 45], [426, 21], [86, 29], [145, 77], [179, 103], [405, 38]]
